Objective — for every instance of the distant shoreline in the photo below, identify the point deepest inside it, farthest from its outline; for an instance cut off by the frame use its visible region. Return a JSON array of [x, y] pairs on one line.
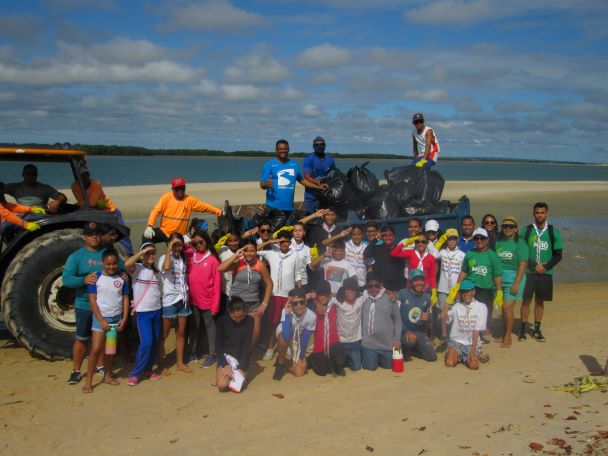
[[113, 150]]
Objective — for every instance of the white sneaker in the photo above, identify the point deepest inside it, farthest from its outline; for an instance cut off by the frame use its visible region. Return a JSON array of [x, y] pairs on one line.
[[268, 355]]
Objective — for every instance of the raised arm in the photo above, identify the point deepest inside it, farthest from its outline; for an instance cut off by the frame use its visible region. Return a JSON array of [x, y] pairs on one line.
[[130, 263]]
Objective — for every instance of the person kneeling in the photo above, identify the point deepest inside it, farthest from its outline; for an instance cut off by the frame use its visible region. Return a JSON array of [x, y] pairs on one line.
[[293, 335], [415, 316], [468, 319], [233, 336], [328, 354], [381, 325]]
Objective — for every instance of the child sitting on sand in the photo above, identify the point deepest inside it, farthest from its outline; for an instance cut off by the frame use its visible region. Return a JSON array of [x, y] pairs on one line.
[[233, 336], [109, 300], [327, 353], [468, 319], [294, 335]]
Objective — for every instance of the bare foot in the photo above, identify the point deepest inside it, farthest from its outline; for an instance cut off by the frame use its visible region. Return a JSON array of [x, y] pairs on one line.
[[111, 381], [165, 372], [87, 389], [185, 369]]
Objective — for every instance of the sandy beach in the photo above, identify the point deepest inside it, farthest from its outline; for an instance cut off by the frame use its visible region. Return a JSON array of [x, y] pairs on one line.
[[429, 409]]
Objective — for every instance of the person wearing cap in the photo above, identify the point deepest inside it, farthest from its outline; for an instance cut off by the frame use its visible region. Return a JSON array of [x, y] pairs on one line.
[[279, 177], [348, 305], [328, 354], [545, 252], [431, 230], [80, 271], [380, 324], [97, 199], [482, 266], [513, 254], [425, 143], [450, 261], [294, 335], [416, 317], [468, 319], [316, 166], [174, 208]]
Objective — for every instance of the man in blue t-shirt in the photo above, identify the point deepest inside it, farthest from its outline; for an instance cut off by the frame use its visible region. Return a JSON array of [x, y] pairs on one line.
[[279, 177], [316, 166]]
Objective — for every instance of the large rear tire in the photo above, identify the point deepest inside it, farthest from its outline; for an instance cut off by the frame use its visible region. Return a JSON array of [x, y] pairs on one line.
[[38, 311]]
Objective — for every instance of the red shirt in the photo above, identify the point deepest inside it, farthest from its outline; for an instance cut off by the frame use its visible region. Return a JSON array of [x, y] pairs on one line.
[[429, 264], [320, 335]]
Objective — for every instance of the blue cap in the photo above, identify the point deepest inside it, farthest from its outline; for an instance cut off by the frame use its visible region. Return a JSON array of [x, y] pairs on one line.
[[317, 139], [467, 285], [416, 273], [203, 225]]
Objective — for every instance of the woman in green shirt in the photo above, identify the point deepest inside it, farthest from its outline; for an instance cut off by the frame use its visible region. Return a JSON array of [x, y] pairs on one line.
[[513, 254]]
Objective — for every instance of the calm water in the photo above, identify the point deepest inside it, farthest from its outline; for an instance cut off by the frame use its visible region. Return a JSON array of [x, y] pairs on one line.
[[114, 171]]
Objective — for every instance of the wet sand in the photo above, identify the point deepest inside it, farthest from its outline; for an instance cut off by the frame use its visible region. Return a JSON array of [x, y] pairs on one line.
[[429, 409]]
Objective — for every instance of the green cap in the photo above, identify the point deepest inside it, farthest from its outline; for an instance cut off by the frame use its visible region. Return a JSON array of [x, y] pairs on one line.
[[416, 273], [467, 285]]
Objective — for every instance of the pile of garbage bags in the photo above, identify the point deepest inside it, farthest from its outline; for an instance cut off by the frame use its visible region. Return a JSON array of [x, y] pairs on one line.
[[409, 191]]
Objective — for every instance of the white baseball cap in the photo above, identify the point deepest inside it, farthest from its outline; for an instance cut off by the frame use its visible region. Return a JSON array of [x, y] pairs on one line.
[[480, 232], [431, 225]]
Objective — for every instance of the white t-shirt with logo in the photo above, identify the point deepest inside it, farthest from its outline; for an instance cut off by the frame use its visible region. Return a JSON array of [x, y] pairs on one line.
[[146, 289], [175, 285], [110, 291], [449, 268], [354, 255], [465, 319], [336, 272]]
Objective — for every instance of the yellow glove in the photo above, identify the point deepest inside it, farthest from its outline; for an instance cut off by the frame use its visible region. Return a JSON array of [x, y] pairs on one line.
[[101, 204], [38, 210], [314, 251], [410, 241], [442, 240], [32, 226], [452, 295], [499, 300], [421, 163], [285, 228], [434, 299], [221, 241]]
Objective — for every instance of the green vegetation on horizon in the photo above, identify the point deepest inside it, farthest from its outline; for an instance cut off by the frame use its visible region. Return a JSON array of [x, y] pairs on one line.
[[101, 149]]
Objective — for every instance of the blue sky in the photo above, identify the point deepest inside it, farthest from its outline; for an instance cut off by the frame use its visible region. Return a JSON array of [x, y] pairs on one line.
[[494, 78]]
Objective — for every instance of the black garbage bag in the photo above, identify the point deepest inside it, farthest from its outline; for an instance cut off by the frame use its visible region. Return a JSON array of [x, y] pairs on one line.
[[277, 219], [403, 174], [339, 194], [442, 207], [430, 187], [382, 205], [363, 181], [403, 192]]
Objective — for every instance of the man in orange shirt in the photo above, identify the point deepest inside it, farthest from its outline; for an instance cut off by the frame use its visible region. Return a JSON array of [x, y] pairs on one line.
[[174, 208], [98, 200]]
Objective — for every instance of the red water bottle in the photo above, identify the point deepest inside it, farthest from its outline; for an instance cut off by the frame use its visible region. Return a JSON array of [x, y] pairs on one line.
[[397, 360]]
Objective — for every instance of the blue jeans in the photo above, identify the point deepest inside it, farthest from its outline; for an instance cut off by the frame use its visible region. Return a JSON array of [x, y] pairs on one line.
[[428, 165], [148, 326], [371, 358], [353, 354]]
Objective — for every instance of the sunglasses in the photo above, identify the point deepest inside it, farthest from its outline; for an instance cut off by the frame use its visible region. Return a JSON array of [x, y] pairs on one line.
[[265, 231], [197, 243], [299, 302], [479, 238], [421, 241], [508, 226], [284, 242], [318, 144], [453, 238], [178, 189], [371, 286], [489, 222], [418, 122]]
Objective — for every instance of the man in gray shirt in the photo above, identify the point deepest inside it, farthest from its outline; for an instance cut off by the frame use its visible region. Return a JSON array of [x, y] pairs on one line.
[[380, 325], [30, 192]]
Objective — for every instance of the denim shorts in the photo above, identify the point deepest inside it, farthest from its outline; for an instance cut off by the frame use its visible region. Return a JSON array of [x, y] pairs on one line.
[[463, 350], [84, 320], [176, 310], [111, 321]]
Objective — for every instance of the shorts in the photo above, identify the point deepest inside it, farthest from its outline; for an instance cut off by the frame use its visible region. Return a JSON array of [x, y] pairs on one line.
[[178, 309], [463, 350], [508, 277], [84, 320], [96, 326], [277, 303], [539, 285]]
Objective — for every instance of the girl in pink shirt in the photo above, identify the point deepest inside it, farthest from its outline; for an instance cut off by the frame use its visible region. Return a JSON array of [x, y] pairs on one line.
[[204, 283]]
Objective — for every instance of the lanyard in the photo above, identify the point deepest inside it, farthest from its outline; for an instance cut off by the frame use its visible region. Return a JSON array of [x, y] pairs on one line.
[[538, 236]]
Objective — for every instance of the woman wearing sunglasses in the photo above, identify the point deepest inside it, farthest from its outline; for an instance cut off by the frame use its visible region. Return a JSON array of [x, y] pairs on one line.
[[490, 224], [513, 254]]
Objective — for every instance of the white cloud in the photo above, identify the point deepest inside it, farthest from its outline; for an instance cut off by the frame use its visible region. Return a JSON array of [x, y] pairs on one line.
[[212, 15], [241, 92], [118, 50], [324, 55], [256, 68], [311, 110], [207, 87], [291, 93], [431, 95]]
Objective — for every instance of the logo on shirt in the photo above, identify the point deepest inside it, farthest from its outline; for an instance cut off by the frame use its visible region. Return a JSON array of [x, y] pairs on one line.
[[414, 314], [480, 269], [506, 255], [117, 283], [543, 245], [285, 177]]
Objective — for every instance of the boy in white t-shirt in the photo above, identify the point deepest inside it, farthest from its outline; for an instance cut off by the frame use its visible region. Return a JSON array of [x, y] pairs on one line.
[[335, 267], [109, 300], [468, 319]]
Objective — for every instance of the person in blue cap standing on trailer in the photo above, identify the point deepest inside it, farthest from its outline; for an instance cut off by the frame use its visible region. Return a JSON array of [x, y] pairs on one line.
[[315, 167]]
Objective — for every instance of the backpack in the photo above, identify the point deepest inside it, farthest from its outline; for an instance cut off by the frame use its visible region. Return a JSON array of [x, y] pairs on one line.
[[551, 235]]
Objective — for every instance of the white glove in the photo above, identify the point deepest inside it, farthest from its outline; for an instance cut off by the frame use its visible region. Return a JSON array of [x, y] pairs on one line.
[[149, 232]]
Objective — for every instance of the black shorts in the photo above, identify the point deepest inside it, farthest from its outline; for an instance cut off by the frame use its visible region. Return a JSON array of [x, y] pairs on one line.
[[539, 285]]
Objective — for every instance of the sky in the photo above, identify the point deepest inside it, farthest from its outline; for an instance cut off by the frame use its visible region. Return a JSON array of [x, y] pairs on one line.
[[494, 78]]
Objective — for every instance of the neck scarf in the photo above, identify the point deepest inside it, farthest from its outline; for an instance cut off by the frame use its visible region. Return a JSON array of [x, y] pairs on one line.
[[421, 258], [205, 256], [372, 311]]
